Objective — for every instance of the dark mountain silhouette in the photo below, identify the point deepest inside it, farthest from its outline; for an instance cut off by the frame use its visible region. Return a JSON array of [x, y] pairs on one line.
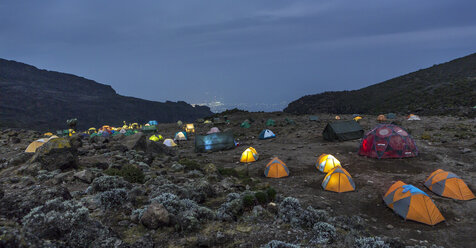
[[43, 100], [448, 88]]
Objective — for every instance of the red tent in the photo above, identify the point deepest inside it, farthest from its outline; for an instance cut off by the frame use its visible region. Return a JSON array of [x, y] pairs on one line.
[[388, 141]]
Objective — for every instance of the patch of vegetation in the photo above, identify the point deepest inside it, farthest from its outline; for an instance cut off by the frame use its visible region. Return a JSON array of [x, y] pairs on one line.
[[261, 197], [271, 193], [190, 164], [249, 201], [426, 136], [129, 172]]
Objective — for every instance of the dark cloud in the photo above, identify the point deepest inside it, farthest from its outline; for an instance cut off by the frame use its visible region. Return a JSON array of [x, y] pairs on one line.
[[238, 52]]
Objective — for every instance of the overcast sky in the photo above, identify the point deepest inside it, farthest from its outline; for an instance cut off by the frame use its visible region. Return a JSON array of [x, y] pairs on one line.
[[261, 53]]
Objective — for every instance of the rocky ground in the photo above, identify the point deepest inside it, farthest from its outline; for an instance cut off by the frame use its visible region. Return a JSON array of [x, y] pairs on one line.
[[131, 192]]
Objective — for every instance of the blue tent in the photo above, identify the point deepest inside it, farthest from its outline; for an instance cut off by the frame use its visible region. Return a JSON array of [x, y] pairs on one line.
[[153, 123], [267, 134]]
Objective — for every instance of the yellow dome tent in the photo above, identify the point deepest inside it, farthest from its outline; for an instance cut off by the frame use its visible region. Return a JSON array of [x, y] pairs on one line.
[[38, 143], [156, 138], [357, 118], [48, 134], [338, 180], [169, 143], [190, 128], [249, 155], [326, 163], [276, 169]]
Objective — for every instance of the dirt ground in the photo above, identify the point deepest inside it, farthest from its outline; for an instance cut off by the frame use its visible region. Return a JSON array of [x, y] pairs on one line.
[[440, 141]]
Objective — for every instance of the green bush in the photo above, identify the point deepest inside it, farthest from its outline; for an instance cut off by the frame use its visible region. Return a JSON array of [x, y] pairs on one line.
[[261, 197], [190, 164], [271, 193], [227, 172], [249, 201], [129, 172]]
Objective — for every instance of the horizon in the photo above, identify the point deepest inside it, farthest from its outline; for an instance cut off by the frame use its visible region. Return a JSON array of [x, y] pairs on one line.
[[251, 56]]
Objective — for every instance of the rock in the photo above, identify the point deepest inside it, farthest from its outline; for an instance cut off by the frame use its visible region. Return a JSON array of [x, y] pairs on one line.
[[177, 167], [20, 158], [155, 216], [209, 168], [158, 148], [55, 154], [272, 207], [75, 142], [136, 142], [389, 227], [85, 176], [465, 150], [143, 166]]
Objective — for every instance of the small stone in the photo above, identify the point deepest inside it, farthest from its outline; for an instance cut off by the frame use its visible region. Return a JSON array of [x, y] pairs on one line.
[[465, 150], [457, 219], [389, 227], [84, 175], [373, 219]]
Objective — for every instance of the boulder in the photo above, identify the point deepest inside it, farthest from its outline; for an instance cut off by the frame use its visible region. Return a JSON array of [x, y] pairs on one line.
[[75, 142], [155, 216], [55, 154], [136, 142], [158, 148], [85, 176]]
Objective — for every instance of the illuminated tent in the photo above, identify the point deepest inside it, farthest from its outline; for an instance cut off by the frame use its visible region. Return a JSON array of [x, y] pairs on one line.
[[156, 138], [48, 134], [449, 185], [337, 117], [388, 141], [381, 118], [190, 128], [249, 155], [276, 169], [413, 117], [326, 163], [357, 118], [338, 180], [409, 202], [169, 143], [266, 134], [208, 122], [214, 142], [180, 136]]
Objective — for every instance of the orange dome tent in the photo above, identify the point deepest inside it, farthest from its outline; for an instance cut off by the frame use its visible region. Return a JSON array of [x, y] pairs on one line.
[[276, 169], [381, 118], [249, 155], [337, 117], [326, 163], [449, 185], [338, 180], [411, 203]]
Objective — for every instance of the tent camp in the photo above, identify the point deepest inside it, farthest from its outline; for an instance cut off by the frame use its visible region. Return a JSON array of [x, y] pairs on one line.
[[338, 180], [409, 202], [413, 117], [245, 124], [190, 128], [391, 116], [342, 130], [326, 163], [313, 118], [214, 142], [180, 136], [388, 141], [276, 169], [169, 143], [270, 123], [449, 185], [266, 134], [213, 130], [249, 155]]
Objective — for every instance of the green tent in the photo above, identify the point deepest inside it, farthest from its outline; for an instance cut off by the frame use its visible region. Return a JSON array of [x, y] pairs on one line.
[[245, 124], [214, 142], [270, 123], [289, 121], [342, 131], [149, 129], [313, 118]]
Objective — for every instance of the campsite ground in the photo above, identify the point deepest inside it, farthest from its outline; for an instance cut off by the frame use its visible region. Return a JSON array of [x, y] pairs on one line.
[[448, 143], [440, 140]]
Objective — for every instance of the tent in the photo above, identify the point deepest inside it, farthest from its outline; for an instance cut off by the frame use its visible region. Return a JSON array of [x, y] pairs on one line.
[[249, 155], [169, 143], [214, 142], [357, 118], [156, 138], [91, 130], [149, 129], [180, 136], [355, 115], [338, 180], [413, 117], [48, 134], [388, 141], [313, 118], [36, 144], [337, 117], [245, 124], [449, 185], [342, 130], [153, 123], [381, 118], [266, 134], [190, 128], [276, 169], [289, 121], [207, 122], [123, 131], [409, 202], [391, 116], [213, 130], [326, 163], [270, 123], [134, 125]]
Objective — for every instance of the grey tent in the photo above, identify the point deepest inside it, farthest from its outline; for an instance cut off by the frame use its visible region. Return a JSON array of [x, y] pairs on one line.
[[342, 130], [313, 118], [214, 142]]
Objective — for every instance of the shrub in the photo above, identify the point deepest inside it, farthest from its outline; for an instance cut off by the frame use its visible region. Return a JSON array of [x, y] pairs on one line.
[[227, 172], [370, 242], [279, 244], [290, 210], [271, 193], [112, 199], [231, 209], [324, 233], [261, 197], [190, 164], [106, 183], [249, 201], [129, 172]]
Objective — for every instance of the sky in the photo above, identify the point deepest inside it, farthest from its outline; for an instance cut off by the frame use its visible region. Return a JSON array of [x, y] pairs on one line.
[[251, 54]]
